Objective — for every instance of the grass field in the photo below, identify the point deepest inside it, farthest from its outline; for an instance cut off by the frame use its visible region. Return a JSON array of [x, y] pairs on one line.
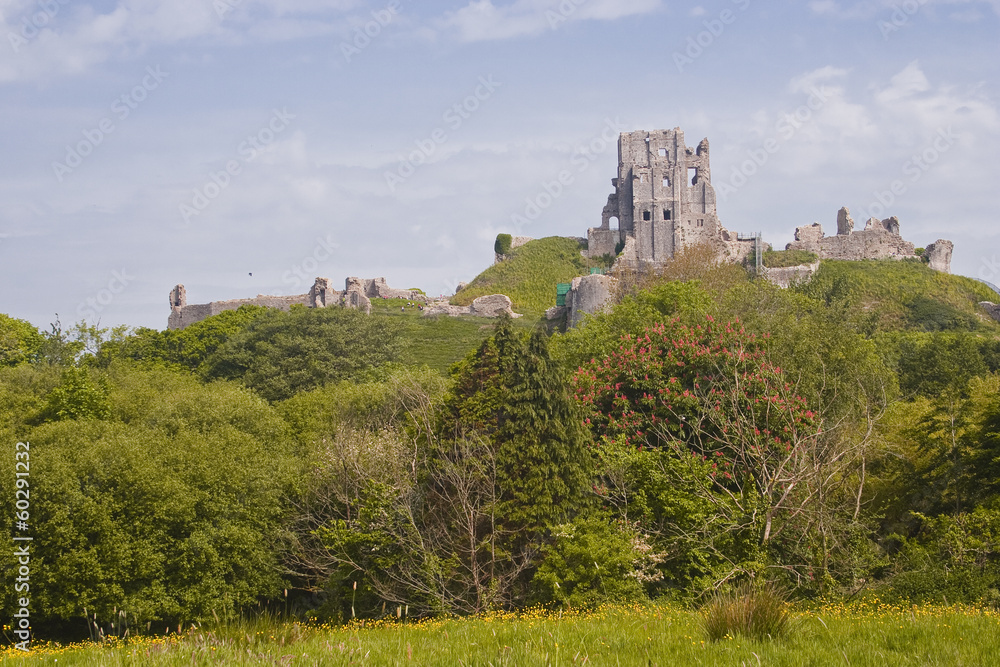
[[863, 634], [438, 341]]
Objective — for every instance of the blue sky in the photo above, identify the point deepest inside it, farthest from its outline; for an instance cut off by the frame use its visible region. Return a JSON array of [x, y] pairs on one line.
[[149, 143]]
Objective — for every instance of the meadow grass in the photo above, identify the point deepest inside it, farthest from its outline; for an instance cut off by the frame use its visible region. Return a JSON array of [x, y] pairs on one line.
[[869, 633], [439, 340]]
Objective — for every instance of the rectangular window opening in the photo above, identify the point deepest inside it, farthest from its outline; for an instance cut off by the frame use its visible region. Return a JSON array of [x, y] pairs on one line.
[[666, 182], [663, 152], [693, 175], [666, 214], [645, 215]]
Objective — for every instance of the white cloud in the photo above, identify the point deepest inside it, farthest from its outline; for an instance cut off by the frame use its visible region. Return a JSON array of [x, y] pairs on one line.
[[481, 20], [71, 38], [834, 9], [907, 83], [868, 9]]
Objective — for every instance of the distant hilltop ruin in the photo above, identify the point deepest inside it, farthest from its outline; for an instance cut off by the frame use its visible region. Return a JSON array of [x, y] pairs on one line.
[[664, 202], [357, 293]]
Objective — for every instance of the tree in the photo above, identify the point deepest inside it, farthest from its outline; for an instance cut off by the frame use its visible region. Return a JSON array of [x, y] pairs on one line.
[[281, 353], [504, 459], [168, 509], [186, 348], [728, 427], [77, 397], [20, 341]]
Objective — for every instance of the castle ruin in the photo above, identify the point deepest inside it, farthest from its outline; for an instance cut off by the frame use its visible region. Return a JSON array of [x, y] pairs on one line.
[[357, 293], [880, 239], [663, 202]]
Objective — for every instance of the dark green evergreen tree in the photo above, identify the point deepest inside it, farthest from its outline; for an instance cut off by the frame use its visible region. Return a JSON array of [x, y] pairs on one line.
[[544, 457]]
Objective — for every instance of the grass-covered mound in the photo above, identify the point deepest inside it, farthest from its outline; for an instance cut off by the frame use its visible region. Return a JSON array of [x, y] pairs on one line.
[[907, 295], [530, 274]]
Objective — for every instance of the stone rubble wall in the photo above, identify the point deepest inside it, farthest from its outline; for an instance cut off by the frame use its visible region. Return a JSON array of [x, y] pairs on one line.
[[357, 293], [938, 255], [602, 242], [184, 316], [787, 276], [485, 306], [879, 239]]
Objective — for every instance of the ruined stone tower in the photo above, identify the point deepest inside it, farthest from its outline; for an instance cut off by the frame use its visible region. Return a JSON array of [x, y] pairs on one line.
[[663, 200]]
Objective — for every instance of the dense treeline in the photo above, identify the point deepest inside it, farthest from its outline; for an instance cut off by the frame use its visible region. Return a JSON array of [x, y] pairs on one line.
[[708, 430]]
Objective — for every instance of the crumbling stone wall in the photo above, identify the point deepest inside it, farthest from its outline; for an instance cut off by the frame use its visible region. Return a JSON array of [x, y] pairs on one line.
[[787, 276], [186, 315], [938, 255], [357, 293], [880, 239], [485, 306]]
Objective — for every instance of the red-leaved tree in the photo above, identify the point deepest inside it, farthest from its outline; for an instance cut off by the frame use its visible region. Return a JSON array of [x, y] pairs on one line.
[[735, 433]]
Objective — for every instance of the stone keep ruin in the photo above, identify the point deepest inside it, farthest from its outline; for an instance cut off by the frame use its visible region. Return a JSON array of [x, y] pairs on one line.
[[663, 202]]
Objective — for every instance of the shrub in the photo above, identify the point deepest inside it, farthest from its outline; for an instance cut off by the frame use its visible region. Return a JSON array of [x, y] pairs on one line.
[[592, 561], [502, 245], [756, 613], [282, 353], [776, 259]]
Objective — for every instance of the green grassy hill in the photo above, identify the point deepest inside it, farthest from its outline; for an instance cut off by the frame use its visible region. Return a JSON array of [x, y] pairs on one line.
[[437, 341], [905, 295], [530, 274]]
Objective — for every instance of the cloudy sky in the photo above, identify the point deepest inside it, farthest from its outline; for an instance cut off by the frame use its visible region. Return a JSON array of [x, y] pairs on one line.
[[147, 143]]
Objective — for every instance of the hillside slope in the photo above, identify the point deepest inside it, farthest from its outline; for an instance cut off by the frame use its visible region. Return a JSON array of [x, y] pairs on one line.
[[530, 274], [905, 295]]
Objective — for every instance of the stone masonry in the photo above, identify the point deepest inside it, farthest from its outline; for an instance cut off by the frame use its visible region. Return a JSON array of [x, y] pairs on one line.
[[663, 202], [880, 239], [484, 306], [588, 295], [357, 293]]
